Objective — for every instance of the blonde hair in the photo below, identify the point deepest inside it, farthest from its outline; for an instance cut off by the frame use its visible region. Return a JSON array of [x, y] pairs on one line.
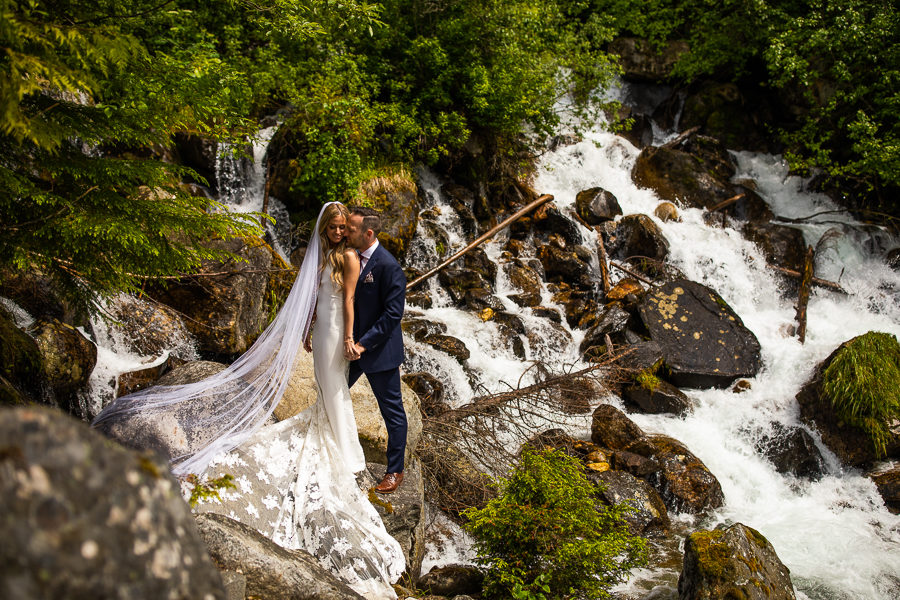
[[334, 253]]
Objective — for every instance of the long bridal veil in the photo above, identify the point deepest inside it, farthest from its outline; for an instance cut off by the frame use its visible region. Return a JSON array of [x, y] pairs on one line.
[[218, 413]]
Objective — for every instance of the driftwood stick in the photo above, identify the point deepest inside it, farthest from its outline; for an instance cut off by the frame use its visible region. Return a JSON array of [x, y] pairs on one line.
[[486, 236], [604, 266], [683, 136], [726, 203], [815, 280], [630, 272], [803, 297]]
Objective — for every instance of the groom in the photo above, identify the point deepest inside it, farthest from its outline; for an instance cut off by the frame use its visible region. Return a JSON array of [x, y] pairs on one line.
[[378, 347]]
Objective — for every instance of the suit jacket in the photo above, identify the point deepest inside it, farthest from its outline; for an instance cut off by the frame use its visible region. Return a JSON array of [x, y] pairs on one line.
[[378, 307]]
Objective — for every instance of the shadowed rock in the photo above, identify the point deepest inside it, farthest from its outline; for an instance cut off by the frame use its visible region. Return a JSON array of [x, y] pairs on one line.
[[597, 205]]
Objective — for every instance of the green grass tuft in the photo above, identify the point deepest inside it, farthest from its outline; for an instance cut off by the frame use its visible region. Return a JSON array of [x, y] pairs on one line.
[[863, 385]]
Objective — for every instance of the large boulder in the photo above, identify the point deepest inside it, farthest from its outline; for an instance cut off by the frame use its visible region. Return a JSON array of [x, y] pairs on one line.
[[737, 562], [782, 245], [792, 450], [704, 342], [887, 480], [852, 445], [301, 393], [226, 304], [86, 518], [271, 572], [697, 174], [403, 512], [642, 61], [452, 580], [68, 359], [163, 433], [525, 279], [396, 199], [653, 395], [565, 265]]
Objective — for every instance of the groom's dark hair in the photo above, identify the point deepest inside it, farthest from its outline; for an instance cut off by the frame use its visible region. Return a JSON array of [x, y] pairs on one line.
[[371, 218]]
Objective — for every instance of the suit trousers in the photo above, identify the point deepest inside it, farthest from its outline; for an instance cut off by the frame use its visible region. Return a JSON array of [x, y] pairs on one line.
[[386, 386]]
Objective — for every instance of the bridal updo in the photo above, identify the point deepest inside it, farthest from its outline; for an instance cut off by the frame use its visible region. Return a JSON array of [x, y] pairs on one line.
[[334, 253]]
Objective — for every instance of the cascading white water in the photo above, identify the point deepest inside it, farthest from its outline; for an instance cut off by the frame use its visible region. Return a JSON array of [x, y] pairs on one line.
[[835, 534], [241, 182]]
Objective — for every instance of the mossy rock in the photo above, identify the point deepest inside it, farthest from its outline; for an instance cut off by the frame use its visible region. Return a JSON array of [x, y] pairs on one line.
[[737, 563], [853, 399]]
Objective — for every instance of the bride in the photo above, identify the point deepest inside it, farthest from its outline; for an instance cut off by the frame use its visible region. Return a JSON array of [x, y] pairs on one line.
[[295, 479]]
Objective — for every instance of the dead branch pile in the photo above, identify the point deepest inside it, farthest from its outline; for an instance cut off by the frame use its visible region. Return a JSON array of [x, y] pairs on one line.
[[463, 449]]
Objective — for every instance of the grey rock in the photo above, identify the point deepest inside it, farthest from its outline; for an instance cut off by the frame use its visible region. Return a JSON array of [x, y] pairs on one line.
[[638, 235], [235, 585], [402, 511], [271, 572], [684, 482], [85, 518]]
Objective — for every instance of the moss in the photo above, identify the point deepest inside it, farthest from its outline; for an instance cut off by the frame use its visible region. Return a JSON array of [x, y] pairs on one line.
[[862, 383], [713, 557], [374, 499], [755, 537], [648, 380]]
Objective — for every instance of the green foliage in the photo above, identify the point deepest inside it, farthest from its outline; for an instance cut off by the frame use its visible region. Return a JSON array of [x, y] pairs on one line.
[[863, 385], [547, 535], [837, 63], [206, 490]]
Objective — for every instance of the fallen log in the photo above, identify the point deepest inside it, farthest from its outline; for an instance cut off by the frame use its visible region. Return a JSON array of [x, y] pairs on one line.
[[726, 203], [484, 237], [835, 287]]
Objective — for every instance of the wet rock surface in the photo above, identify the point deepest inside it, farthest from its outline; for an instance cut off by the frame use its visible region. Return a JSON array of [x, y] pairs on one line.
[[638, 235], [649, 515], [792, 450], [271, 572], [596, 205], [782, 245], [224, 304], [662, 398], [703, 341], [85, 518], [737, 562], [684, 482]]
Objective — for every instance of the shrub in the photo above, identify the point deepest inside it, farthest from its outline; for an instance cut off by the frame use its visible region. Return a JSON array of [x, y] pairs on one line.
[[863, 384], [547, 536]]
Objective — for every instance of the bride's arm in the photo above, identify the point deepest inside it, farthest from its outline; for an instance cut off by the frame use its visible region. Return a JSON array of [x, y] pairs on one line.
[[351, 275]]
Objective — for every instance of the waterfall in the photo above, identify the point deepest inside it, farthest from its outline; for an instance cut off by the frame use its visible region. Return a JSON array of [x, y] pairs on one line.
[[241, 181], [834, 534]]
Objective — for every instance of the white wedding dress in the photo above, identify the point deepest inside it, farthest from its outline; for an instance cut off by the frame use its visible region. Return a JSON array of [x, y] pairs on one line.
[[296, 479]]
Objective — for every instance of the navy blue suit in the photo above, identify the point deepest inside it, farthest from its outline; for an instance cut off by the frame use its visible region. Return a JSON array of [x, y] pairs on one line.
[[378, 307]]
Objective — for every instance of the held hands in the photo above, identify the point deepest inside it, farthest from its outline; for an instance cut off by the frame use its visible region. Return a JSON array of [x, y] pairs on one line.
[[352, 350]]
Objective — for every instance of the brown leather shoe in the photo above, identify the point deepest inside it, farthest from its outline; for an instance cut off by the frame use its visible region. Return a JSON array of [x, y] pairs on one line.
[[390, 483]]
